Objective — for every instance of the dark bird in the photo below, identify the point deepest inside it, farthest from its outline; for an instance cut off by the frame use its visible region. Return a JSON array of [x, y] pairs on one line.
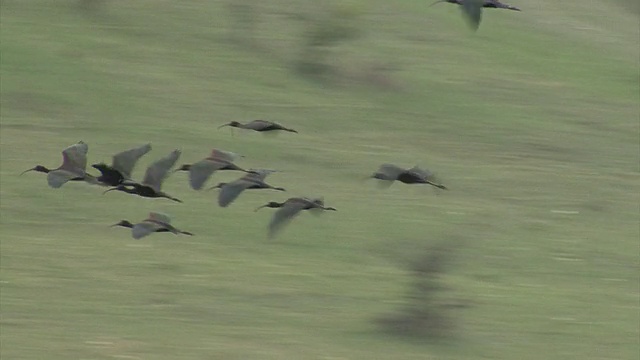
[[258, 125], [156, 222], [200, 171], [153, 178], [472, 9], [290, 209], [415, 175], [121, 166], [74, 164], [230, 191]]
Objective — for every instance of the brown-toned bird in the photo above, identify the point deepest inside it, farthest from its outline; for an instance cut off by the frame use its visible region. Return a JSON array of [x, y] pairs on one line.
[[156, 222], [153, 178], [258, 125], [121, 166], [200, 171], [253, 180], [73, 168], [472, 9], [289, 209], [415, 175]]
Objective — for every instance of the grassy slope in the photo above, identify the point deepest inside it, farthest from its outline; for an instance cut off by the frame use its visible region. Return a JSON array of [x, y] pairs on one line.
[[536, 112]]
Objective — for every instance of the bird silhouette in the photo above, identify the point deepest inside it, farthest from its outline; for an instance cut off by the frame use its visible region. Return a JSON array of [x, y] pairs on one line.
[[289, 209], [230, 191], [200, 171], [121, 166], [156, 222], [258, 125], [415, 175], [153, 178], [472, 9], [73, 168]]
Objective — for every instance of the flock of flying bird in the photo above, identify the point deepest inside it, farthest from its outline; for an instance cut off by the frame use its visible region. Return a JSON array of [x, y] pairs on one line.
[[472, 9], [117, 176]]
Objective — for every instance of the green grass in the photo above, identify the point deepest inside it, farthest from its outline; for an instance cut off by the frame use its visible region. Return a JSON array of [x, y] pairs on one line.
[[536, 113]]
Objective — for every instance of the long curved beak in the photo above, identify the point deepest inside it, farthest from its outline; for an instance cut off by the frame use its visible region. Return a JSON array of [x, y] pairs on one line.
[[221, 126], [106, 191], [260, 207], [439, 1], [26, 171]]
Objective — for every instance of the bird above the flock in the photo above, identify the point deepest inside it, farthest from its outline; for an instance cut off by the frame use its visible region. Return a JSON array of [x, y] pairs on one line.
[[73, 168], [156, 222], [472, 9], [154, 176], [200, 171], [121, 166], [289, 209], [259, 126], [253, 180], [390, 173]]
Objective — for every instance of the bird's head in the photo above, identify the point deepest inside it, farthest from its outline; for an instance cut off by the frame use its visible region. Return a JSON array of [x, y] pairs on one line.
[[100, 166], [270, 204], [123, 223], [184, 167], [38, 168], [232, 124], [331, 209]]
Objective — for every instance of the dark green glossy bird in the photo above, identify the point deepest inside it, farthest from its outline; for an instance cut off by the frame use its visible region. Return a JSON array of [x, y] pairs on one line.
[[289, 209], [390, 173], [153, 178], [156, 222], [472, 9], [121, 166], [199, 172], [73, 168], [253, 180]]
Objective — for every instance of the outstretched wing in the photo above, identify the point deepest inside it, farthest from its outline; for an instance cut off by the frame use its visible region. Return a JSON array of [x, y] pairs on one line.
[[229, 192], [259, 124], [284, 215], [144, 228], [125, 161], [423, 173], [389, 171], [159, 217], [224, 155], [74, 158], [156, 172], [200, 172], [472, 10]]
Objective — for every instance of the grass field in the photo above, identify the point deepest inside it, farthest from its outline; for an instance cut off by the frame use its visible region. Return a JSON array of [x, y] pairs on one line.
[[533, 123]]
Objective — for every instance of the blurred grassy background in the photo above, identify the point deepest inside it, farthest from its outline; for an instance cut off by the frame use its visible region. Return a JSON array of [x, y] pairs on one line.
[[533, 122]]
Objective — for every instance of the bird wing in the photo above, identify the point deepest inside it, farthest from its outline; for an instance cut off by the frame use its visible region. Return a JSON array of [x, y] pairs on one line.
[[159, 217], [57, 178], [472, 10], [200, 172], [424, 173], [157, 171], [229, 192], [390, 171], [285, 214], [145, 228], [259, 174], [224, 155], [74, 158], [259, 124], [126, 160]]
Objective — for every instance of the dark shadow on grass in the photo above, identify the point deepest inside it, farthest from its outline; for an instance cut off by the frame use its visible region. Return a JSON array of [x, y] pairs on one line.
[[424, 314]]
